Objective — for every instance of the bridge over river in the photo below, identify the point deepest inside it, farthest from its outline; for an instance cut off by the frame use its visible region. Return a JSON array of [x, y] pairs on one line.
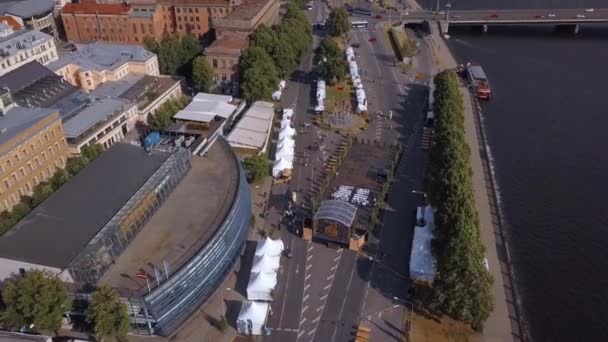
[[562, 17]]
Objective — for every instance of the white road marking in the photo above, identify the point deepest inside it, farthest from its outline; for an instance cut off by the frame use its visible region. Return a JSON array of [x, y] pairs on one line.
[[309, 257], [301, 333], [305, 298], [304, 308], [331, 276], [311, 332], [336, 258], [307, 276], [323, 297], [316, 319], [308, 267], [334, 267], [327, 287], [303, 320], [306, 287], [320, 307]]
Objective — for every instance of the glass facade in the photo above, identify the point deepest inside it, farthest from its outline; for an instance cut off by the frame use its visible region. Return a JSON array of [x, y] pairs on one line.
[[186, 290]]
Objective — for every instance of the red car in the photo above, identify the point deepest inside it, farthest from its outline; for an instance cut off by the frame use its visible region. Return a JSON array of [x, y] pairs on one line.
[[538, 17], [372, 39], [378, 16], [493, 15]]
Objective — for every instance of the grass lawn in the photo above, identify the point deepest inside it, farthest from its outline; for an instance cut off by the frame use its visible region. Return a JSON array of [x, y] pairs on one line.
[[403, 45], [334, 93], [447, 329]]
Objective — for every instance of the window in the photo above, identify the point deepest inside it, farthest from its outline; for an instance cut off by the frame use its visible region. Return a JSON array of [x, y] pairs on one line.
[[223, 77], [50, 151], [143, 30], [222, 63], [135, 28], [198, 19], [196, 10], [37, 162], [151, 29], [44, 156], [178, 10], [22, 172], [215, 63], [46, 136], [29, 167], [189, 10], [14, 176], [6, 184], [180, 27]]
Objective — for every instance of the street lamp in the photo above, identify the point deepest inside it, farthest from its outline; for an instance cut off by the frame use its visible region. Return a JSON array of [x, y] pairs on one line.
[[410, 327], [447, 12]]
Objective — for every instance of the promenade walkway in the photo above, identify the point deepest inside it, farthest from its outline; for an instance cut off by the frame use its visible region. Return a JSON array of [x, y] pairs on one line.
[[502, 325]]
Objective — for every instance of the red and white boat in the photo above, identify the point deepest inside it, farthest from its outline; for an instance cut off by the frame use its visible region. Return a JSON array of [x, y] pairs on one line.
[[479, 81]]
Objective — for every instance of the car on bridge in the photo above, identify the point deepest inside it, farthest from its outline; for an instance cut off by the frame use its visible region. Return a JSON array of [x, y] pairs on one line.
[[589, 10], [538, 16], [580, 16], [494, 15], [551, 15]]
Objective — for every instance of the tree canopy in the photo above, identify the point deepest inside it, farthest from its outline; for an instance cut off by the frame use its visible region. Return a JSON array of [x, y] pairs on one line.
[[257, 167], [202, 74], [37, 299], [161, 118], [338, 22], [273, 53], [175, 53], [329, 61], [462, 288], [109, 314]]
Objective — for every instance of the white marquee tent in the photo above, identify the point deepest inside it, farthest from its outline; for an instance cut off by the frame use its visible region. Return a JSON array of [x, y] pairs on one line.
[[269, 247], [252, 318], [284, 153], [287, 142], [422, 262], [260, 285], [265, 263]]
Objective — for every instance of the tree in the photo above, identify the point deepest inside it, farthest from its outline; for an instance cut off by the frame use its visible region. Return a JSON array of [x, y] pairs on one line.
[[257, 167], [109, 314], [42, 191], [338, 22], [75, 164], [20, 210], [329, 61], [60, 177], [264, 37], [151, 44], [92, 151], [169, 54], [260, 77], [462, 288], [202, 74], [37, 298]]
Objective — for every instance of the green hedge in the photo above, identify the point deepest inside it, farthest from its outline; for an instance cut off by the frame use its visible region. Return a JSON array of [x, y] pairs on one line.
[[462, 288]]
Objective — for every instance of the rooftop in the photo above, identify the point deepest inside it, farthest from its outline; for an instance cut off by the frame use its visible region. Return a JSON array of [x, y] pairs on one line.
[[10, 21], [337, 210], [18, 119], [76, 212], [185, 222], [248, 10], [228, 43], [20, 78], [97, 111], [101, 56], [14, 42], [254, 127], [205, 107], [92, 8], [136, 88], [27, 8]]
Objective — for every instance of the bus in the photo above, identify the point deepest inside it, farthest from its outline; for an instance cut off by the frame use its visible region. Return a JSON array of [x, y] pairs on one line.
[[361, 11], [359, 24]]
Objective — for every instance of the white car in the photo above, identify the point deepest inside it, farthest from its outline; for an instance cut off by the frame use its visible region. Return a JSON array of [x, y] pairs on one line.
[[551, 15], [589, 10], [580, 16]]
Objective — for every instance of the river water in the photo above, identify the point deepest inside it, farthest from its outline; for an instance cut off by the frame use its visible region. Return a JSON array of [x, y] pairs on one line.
[[548, 126]]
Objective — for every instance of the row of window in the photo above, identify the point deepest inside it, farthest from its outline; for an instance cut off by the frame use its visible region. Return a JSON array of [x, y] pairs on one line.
[[35, 144], [17, 176], [223, 63], [192, 19], [28, 187], [25, 55]]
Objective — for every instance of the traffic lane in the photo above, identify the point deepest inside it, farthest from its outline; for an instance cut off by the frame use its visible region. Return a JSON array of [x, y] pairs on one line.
[[353, 302], [340, 291], [289, 292]]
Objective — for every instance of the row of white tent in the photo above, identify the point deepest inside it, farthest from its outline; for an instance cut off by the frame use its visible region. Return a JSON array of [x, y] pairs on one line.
[[262, 280], [356, 79], [284, 155], [277, 94], [320, 96]]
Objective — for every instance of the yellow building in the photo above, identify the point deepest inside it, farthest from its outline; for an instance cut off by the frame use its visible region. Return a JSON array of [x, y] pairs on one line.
[[32, 147]]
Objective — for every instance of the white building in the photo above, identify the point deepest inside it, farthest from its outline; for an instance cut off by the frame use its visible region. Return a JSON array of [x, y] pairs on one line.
[[21, 47]]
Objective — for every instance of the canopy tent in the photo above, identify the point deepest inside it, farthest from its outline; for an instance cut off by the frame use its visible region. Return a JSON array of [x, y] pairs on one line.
[[281, 165], [287, 142], [252, 318], [287, 113], [353, 68], [350, 54], [361, 100], [284, 153], [422, 261], [285, 123], [276, 96], [287, 132], [265, 263], [260, 285], [269, 247]]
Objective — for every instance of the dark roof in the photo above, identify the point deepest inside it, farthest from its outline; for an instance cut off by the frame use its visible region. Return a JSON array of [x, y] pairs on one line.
[[27, 74], [337, 210], [57, 230], [31, 8]]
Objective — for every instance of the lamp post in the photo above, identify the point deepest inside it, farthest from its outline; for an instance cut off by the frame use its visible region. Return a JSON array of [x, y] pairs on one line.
[[410, 326], [447, 12]]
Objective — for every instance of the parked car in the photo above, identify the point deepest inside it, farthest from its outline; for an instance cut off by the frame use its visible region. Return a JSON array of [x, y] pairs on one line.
[[580, 16], [551, 15], [378, 16], [589, 10], [538, 16], [372, 39]]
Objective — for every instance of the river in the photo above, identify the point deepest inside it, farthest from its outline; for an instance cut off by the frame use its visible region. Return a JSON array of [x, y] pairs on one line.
[[547, 130]]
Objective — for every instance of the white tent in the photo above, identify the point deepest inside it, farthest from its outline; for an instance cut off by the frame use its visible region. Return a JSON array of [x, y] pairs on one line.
[[269, 247], [282, 84], [285, 123], [350, 54], [277, 95], [353, 68], [281, 165], [265, 263], [286, 142], [260, 285], [287, 132], [284, 153], [252, 318], [287, 113]]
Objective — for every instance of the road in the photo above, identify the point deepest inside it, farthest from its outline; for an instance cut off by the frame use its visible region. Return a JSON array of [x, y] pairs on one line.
[[528, 16], [322, 294]]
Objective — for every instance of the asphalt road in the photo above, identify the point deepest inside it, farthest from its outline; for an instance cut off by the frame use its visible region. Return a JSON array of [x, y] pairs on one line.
[[569, 15]]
